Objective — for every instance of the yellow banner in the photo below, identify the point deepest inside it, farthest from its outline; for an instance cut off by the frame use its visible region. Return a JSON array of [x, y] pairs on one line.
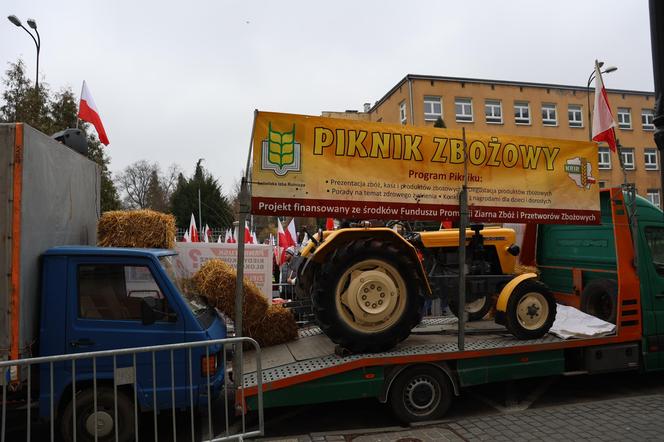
[[325, 167]]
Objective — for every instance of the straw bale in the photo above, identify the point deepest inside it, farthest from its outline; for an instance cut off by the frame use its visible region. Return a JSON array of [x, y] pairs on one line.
[[136, 228], [520, 269], [216, 281], [277, 327], [269, 325]]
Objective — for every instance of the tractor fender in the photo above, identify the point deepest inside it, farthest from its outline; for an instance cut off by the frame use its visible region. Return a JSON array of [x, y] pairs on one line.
[[337, 238], [506, 292]]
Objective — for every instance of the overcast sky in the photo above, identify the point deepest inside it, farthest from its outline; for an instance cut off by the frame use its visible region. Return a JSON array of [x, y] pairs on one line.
[[176, 81]]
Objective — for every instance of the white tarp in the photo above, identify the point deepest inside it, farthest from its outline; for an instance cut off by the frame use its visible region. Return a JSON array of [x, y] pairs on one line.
[[257, 260], [573, 323]]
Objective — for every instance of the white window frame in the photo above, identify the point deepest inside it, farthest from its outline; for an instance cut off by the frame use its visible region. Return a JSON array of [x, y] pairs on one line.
[[654, 197], [519, 106], [648, 119], [490, 114], [403, 115], [466, 115], [626, 153], [574, 110], [624, 118], [650, 158], [604, 158], [430, 102], [549, 114]]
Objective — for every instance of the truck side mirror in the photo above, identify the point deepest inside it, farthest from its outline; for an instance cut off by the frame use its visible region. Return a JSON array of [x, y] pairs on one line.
[[148, 316]]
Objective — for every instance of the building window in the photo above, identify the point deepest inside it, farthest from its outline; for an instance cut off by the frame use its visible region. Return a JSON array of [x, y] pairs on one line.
[[624, 118], [653, 196], [493, 111], [602, 184], [604, 161], [464, 109], [521, 112], [627, 155], [433, 108], [648, 119], [574, 115], [650, 155], [549, 117], [402, 112]]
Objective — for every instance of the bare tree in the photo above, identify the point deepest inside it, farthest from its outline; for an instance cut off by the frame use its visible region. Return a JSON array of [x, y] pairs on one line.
[[134, 183]]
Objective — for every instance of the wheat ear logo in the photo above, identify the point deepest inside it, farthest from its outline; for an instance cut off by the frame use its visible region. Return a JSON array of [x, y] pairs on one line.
[[580, 171], [280, 152]]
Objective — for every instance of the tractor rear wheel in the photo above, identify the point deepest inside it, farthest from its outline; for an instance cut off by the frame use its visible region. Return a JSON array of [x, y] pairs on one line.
[[476, 309], [366, 296]]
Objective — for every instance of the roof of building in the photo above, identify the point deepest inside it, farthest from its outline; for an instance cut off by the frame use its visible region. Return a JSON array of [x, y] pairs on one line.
[[497, 82]]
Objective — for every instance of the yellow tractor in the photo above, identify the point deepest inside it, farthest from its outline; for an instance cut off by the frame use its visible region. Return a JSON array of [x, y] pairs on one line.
[[368, 285]]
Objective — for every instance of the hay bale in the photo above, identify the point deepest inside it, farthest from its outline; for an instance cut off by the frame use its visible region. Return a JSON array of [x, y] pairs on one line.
[[216, 281], [520, 269], [269, 325], [136, 228], [277, 327]]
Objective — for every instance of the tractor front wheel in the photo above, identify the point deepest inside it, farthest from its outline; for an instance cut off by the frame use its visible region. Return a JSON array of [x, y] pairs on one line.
[[531, 310]]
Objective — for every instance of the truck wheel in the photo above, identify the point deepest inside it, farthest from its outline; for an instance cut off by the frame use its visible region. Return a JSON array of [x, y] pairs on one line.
[[104, 418], [476, 309], [420, 393], [600, 299], [366, 297], [531, 310]]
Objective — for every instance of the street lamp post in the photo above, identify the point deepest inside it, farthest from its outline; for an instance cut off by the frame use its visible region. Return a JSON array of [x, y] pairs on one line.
[[590, 79], [33, 24]]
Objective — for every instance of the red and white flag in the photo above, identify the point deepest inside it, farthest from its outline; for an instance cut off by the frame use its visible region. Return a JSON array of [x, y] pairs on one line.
[[228, 238], [247, 234], [292, 232], [285, 240], [193, 231], [186, 237], [87, 111], [329, 224], [207, 232], [603, 123]]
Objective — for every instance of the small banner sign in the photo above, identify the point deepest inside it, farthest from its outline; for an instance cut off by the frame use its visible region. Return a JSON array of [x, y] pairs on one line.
[[324, 167]]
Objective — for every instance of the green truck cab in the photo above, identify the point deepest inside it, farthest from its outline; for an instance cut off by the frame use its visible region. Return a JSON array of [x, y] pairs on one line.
[[587, 265]]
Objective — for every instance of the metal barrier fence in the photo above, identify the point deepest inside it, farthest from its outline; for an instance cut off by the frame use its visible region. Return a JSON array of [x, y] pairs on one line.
[[164, 392]]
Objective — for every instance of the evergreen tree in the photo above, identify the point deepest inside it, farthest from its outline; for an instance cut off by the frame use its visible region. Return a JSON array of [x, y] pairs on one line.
[[215, 209], [50, 114], [156, 197]]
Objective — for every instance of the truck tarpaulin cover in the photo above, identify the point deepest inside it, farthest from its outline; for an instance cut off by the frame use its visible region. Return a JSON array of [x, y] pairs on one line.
[[320, 167]]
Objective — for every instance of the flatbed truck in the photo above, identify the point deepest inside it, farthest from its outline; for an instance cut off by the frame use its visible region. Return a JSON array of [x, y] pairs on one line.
[[420, 377]]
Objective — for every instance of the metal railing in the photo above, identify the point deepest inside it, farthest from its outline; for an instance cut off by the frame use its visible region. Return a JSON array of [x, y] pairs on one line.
[[164, 392]]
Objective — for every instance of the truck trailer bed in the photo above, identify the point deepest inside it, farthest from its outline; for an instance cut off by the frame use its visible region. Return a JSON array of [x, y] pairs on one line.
[[313, 354]]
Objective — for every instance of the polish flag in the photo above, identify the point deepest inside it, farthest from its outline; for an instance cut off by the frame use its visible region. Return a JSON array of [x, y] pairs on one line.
[[193, 231], [290, 231], [219, 241], [603, 124], [186, 237], [285, 240], [254, 238], [228, 237], [247, 235], [329, 224], [87, 111], [207, 232]]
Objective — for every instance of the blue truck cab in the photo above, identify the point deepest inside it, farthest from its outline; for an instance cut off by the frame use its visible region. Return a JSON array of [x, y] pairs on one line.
[[95, 299]]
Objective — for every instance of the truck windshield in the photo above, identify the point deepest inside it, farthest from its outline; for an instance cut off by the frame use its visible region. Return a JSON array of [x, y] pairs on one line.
[[182, 281]]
